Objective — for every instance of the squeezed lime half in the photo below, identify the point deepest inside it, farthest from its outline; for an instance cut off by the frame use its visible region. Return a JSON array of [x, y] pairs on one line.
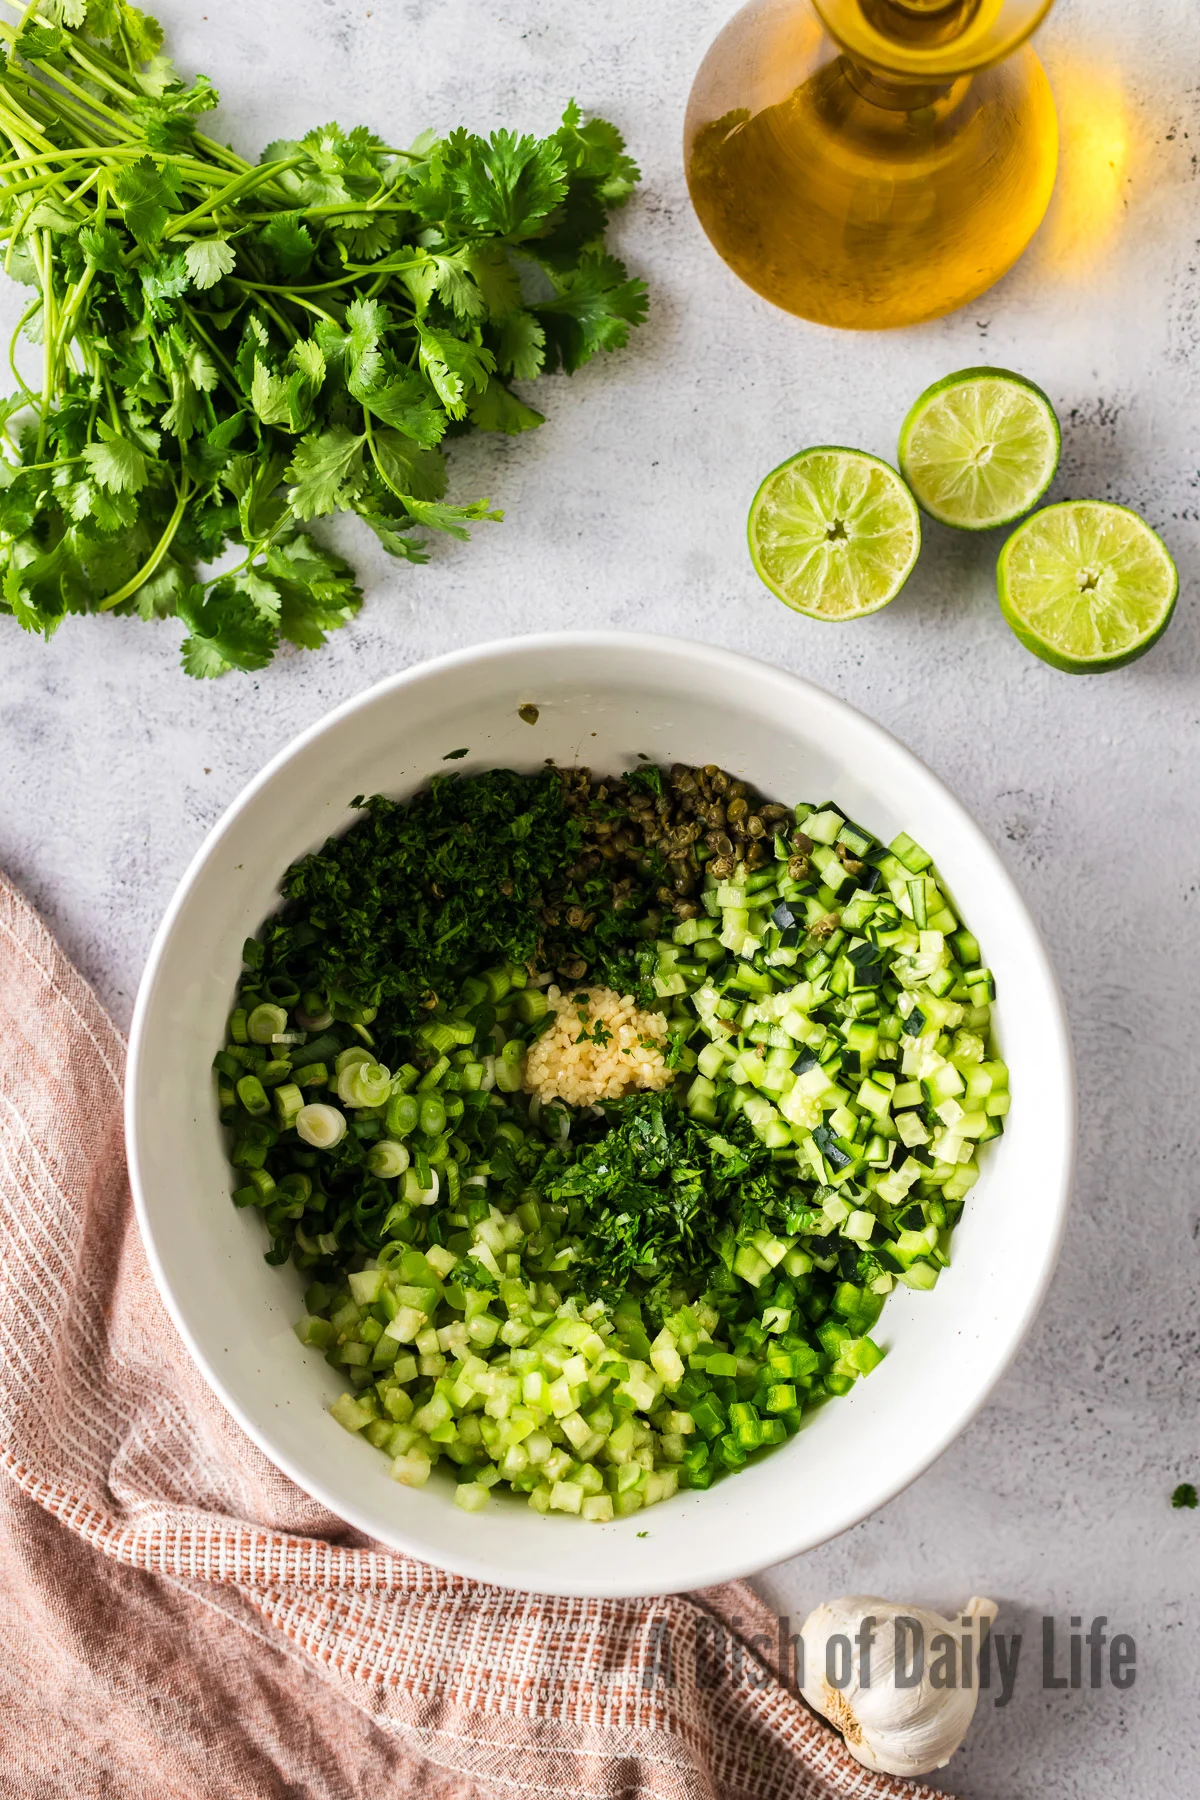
[[834, 533], [980, 448], [1087, 585]]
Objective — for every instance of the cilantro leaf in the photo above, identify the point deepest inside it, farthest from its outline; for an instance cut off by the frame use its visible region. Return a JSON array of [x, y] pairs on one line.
[[164, 278], [208, 260], [317, 590], [101, 246], [117, 463], [594, 309], [290, 243], [42, 43], [169, 112], [454, 367], [148, 193], [406, 467], [393, 535], [401, 398], [496, 409], [521, 347], [268, 395], [325, 465], [226, 631], [507, 184], [655, 1197], [596, 150], [453, 520], [49, 215]]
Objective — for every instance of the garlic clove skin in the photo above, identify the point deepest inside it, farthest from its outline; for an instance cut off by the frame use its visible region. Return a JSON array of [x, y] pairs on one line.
[[896, 1731]]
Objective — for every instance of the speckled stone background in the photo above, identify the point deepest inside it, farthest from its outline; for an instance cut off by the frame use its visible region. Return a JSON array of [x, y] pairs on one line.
[[627, 509]]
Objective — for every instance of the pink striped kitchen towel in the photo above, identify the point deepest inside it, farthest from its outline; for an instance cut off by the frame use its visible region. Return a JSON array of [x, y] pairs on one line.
[[177, 1619]]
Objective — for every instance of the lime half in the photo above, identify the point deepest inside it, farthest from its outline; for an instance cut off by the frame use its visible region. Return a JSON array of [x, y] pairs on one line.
[[834, 533], [980, 448], [1086, 585]]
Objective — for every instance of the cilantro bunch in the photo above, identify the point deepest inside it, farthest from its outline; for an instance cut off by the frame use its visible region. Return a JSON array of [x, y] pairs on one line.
[[231, 350]]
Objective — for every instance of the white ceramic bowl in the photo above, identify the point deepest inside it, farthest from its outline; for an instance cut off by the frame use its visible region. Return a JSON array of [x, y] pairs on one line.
[[602, 698]]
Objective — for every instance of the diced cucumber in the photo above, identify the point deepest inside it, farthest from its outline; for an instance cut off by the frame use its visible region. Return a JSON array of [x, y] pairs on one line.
[[823, 827], [906, 851]]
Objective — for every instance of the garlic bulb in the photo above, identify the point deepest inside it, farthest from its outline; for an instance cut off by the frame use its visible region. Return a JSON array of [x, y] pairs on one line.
[[902, 1689]]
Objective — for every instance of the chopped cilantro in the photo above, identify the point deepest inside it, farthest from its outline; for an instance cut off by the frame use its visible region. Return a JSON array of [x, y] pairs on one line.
[[1184, 1495], [653, 1198], [390, 911]]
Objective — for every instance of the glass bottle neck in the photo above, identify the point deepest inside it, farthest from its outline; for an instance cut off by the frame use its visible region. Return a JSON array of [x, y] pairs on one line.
[[930, 41], [921, 24]]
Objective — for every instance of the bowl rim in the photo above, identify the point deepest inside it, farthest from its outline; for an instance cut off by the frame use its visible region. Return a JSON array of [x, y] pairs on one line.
[[732, 1563]]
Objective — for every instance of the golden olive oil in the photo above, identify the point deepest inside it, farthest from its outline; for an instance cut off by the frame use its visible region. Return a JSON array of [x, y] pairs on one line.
[[876, 189]]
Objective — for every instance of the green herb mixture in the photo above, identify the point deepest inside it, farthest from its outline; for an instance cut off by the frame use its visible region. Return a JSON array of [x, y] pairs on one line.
[[596, 1307], [231, 350]]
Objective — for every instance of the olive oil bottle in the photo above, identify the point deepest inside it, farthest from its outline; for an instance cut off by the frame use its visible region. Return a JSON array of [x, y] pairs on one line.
[[871, 163]]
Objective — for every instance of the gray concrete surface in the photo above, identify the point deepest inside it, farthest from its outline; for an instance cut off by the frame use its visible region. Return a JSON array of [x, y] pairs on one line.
[[627, 509]]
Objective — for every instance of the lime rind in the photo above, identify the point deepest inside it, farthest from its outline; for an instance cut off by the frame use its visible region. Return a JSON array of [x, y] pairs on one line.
[[1087, 585], [834, 533], [980, 448]]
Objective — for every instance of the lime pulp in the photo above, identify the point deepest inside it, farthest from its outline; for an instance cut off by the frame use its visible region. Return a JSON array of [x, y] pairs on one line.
[[980, 448], [834, 533], [1087, 585]]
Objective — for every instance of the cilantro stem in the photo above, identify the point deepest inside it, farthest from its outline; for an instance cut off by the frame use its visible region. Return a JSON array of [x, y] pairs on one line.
[[194, 171], [46, 274], [229, 378], [232, 190], [156, 555], [12, 347], [383, 474], [25, 121], [89, 101], [19, 228], [57, 462], [321, 287], [292, 294], [113, 409], [99, 68], [285, 325], [257, 549], [310, 307], [221, 152], [332, 208]]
